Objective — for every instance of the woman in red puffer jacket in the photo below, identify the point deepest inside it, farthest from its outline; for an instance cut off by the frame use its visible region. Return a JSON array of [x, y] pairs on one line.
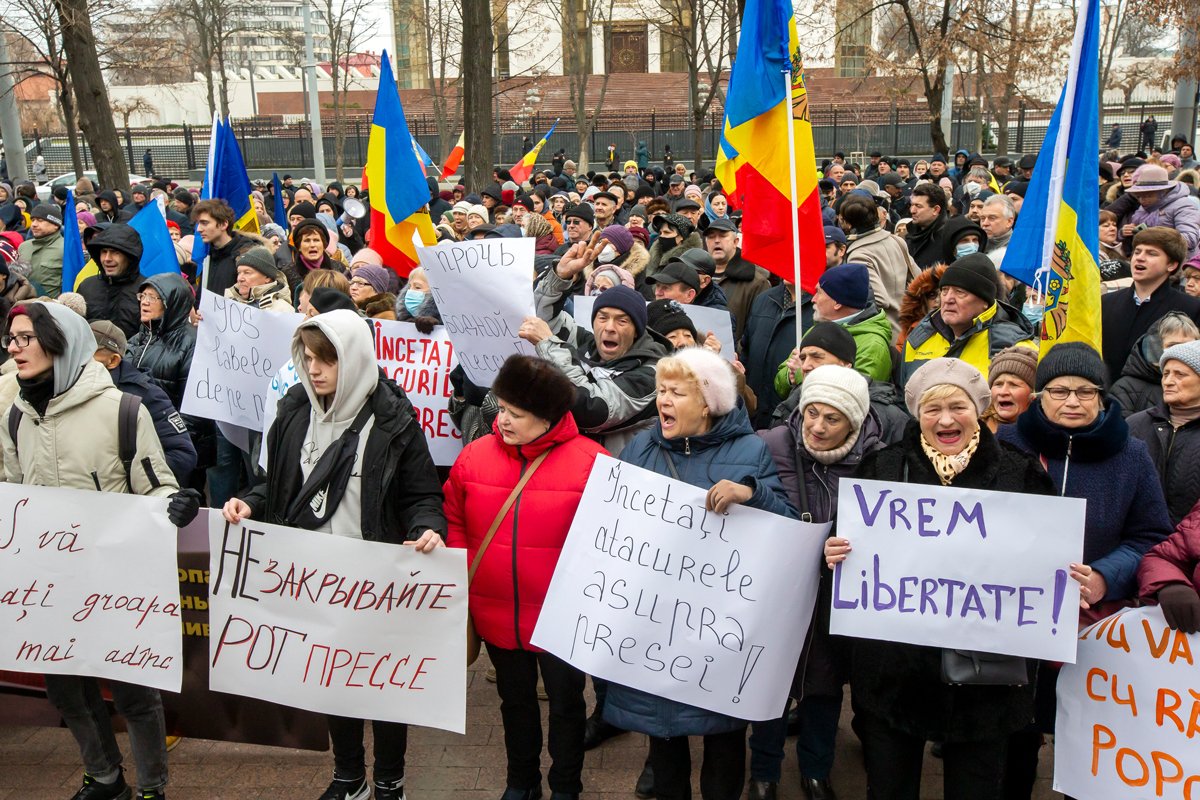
[[514, 574], [1170, 574]]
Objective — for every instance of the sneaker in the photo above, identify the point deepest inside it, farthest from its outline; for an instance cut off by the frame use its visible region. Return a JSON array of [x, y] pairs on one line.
[[151, 794], [173, 742], [93, 789], [389, 790], [357, 789]]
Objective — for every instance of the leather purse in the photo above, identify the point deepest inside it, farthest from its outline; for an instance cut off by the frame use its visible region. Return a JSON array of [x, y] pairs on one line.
[[975, 668], [473, 640]]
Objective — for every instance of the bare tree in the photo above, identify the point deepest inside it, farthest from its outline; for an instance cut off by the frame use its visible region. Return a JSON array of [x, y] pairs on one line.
[[134, 105], [349, 29], [579, 17], [443, 46], [213, 24], [477, 91], [95, 113], [1127, 78]]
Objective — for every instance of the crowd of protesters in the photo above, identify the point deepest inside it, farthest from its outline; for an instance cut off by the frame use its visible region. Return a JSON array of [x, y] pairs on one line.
[[919, 363]]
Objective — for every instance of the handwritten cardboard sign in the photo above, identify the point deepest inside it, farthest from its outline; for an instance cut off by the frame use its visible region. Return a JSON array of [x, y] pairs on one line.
[[338, 625], [706, 319], [239, 348], [421, 365], [1129, 712], [961, 568], [484, 291], [655, 592], [88, 586]]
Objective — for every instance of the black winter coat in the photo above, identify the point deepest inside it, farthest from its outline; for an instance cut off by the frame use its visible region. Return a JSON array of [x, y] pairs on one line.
[[1140, 384], [1123, 322], [401, 493], [902, 682], [767, 341], [1176, 454], [168, 422], [164, 347], [220, 268], [114, 298]]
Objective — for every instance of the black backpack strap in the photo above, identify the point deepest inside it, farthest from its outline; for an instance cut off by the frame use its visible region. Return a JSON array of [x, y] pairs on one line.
[[126, 433], [14, 422]]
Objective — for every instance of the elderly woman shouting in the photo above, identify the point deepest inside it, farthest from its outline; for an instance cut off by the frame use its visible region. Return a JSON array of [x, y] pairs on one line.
[[900, 700], [702, 437]]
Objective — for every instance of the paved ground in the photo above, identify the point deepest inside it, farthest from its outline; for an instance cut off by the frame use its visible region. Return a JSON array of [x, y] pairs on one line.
[[43, 763]]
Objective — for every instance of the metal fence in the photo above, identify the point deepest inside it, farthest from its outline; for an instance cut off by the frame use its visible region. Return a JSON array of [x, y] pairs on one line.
[[267, 144]]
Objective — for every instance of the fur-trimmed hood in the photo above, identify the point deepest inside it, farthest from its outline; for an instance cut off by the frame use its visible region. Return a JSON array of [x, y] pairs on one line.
[[912, 305]]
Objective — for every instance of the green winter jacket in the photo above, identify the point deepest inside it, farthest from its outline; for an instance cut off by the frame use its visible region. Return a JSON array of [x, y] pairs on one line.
[[873, 338]]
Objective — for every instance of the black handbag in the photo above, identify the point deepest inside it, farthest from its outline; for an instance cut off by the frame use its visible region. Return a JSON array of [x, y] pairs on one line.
[[975, 668]]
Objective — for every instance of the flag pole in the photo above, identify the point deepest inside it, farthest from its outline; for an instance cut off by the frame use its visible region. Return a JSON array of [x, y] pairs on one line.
[[791, 145]]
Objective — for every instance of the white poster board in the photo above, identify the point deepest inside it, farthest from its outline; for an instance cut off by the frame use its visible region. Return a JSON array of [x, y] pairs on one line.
[[239, 348], [338, 625], [89, 586], [960, 568], [419, 363], [706, 319], [484, 291], [655, 592], [1129, 712]]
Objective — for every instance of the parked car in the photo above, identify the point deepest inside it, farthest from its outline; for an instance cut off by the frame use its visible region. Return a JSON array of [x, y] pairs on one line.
[[68, 179]]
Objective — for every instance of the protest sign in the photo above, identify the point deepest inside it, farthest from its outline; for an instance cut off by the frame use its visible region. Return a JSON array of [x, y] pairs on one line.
[[655, 592], [238, 349], [338, 625], [1129, 712], [67, 602], [706, 319], [484, 291], [960, 568], [420, 363]]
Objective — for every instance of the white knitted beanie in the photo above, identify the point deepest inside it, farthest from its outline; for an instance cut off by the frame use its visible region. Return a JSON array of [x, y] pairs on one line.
[[715, 376], [840, 387]]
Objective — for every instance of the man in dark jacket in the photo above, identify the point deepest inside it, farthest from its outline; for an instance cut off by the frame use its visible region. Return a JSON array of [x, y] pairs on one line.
[[168, 423], [741, 281], [112, 295], [927, 206], [214, 224], [437, 206], [767, 339]]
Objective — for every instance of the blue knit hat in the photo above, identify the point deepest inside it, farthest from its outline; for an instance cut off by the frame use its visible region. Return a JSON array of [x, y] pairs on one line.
[[847, 284], [1187, 353], [624, 299]]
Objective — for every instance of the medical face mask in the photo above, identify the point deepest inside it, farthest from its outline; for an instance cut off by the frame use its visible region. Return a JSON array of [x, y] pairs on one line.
[[607, 255], [413, 300], [965, 249]]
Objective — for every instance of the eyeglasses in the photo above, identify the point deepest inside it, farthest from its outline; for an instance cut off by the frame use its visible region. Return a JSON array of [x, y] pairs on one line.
[[1082, 393], [360, 282], [22, 340], [146, 297]]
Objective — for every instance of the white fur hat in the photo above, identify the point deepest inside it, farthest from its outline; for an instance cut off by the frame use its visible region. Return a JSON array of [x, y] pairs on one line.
[[840, 387], [715, 376]]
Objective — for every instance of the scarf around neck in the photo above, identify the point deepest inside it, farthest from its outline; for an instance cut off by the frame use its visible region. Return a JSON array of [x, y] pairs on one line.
[[835, 455], [949, 467]]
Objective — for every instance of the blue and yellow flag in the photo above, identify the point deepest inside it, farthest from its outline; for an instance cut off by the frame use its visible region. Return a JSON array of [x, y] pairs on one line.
[[399, 192], [280, 210], [158, 251], [1055, 245], [226, 179], [73, 257]]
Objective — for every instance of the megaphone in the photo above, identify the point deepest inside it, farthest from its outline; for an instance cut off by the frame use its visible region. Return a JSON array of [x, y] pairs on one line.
[[353, 207]]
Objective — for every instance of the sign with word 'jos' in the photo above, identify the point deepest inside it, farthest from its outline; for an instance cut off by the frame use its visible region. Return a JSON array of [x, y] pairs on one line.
[[88, 586], [338, 625], [239, 347], [655, 592], [958, 568], [484, 291], [1129, 712]]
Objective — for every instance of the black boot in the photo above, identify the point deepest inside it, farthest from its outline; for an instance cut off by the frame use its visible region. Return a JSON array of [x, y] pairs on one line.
[[596, 732], [523, 794], [817, 788], [763, 790], [644, 788]]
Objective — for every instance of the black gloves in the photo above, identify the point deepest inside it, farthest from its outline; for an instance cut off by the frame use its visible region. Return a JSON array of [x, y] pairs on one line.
[[1181, 606], [426, 324], [184, 506]]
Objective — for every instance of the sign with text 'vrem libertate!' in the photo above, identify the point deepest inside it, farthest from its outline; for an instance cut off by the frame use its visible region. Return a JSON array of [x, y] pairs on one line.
[[655, 592], [338, 625], [959, 568], [88, 586]]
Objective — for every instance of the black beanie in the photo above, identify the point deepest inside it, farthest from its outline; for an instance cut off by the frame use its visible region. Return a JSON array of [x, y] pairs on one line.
[[304, 209], [1071, 358], [535, 385], [976, 273], [326, 298], [666, 315], [624, 299], [833, 339]]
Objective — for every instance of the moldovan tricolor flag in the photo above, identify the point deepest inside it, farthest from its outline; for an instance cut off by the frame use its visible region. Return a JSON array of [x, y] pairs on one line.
[[752, 159], [398, 190], [450, 166], [1055, 246], [524, 168]]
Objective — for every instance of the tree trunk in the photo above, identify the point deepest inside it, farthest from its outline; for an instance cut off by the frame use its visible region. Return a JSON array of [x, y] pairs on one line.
[[933, 98], [95, 111], [222, 78], [66, 101], [477, 92]]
